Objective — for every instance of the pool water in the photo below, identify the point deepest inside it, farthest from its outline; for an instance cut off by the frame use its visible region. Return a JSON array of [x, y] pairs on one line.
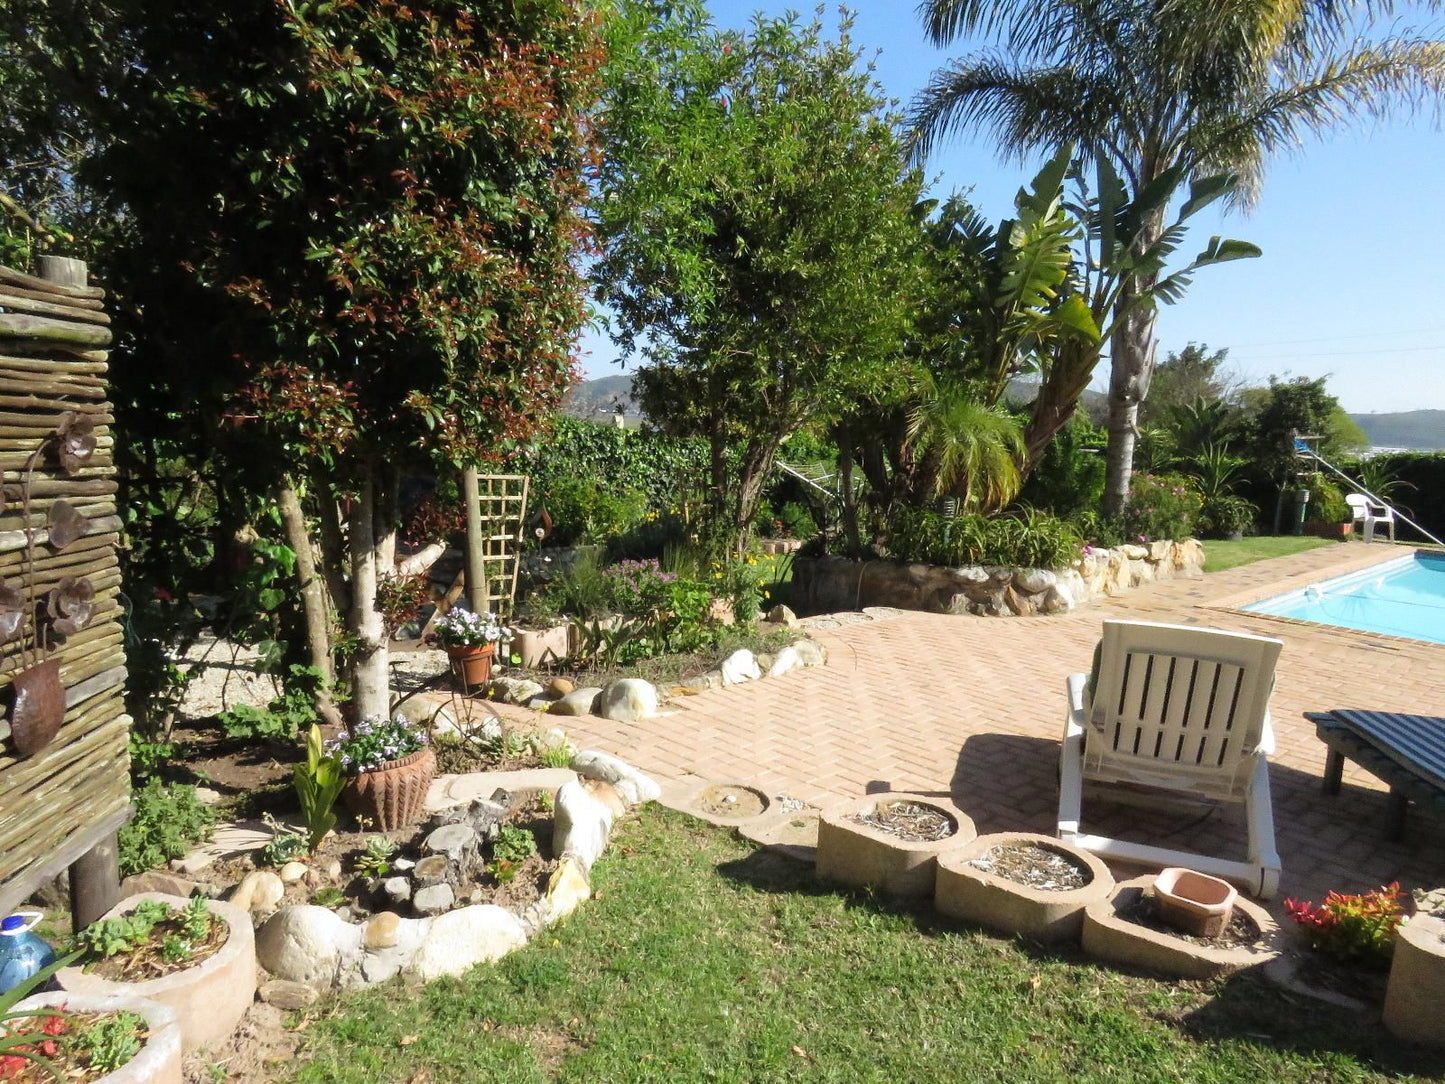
[[1398, 598]]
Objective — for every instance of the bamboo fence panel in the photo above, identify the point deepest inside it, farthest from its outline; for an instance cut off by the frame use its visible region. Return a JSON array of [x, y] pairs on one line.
[[52, 362]]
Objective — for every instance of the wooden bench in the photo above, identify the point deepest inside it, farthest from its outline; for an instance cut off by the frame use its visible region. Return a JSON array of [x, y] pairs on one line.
[[1405, 751]]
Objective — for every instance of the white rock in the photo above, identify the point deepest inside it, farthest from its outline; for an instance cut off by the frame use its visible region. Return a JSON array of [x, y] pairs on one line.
[[787, 659], [306, 943], [629, 700], [451, 840], [401, 865], [783, 615], [397, 889], [461, 939], [292, 872], [739, 667], [207, 796], [1034, 580], [567, 890], [971, 574], [634, 787], [580, 825], [434, 899], [1058, 600], [259, 892], [577, 702], [1133, 552], [811, 652], [514, 690]]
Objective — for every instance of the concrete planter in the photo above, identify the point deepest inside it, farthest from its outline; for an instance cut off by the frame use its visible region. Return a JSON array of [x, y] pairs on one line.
[[1417, 977], [976, 895], [159, 1060], [539, 647], [709, 803], [1110, 937], [208, 999], [859, 854]]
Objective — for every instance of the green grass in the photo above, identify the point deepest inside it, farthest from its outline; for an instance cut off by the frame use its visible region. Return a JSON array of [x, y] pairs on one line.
[[1219, 556], [705, 960]]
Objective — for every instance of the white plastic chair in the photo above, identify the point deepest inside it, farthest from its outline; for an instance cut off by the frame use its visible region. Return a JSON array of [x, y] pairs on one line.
[[1364, 510], [1178, 709]]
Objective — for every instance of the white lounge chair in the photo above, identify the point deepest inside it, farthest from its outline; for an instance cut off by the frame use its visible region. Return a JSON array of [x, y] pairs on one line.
[[1180, 709], [1368, 512]]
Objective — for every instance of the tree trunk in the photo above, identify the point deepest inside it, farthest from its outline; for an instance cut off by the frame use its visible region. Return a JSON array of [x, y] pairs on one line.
[[757, 464], [313, 599], [849, 498], [370, 680], [334, 553], [1069, 374]]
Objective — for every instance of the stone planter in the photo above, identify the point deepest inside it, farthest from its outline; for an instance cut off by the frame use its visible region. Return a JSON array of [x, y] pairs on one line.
[[1417, 977], [208, 999], [394, 795], [159, 1060], [539, 647], [965, 891], [471, 664], [859, 854], [726, 804], [1110, 937]]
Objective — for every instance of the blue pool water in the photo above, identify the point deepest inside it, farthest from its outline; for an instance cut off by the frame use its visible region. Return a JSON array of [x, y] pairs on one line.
[[1398, 598]]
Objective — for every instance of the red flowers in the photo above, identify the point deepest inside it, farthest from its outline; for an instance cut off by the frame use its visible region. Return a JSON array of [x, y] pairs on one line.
[[1359, 928], [51, 1026]]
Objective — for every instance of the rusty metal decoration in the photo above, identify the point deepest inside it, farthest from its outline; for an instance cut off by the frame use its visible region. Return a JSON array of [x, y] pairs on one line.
[[39, 707], [70, 604], [74, 441], [66, 525]]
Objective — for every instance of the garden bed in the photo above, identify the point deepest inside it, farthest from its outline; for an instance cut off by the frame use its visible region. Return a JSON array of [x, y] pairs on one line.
[[155, 1045]]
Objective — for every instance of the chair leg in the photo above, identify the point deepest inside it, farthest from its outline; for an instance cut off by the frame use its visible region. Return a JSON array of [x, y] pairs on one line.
[[1259, 810], [1334, 771], [1071, 781]]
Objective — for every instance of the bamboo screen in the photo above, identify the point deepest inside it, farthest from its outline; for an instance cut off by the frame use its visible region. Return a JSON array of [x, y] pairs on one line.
[[64, 783]]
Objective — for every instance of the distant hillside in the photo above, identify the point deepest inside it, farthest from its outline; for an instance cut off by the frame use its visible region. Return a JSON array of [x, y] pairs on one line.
[[591, 399], [1418, 430], [1093, 403]]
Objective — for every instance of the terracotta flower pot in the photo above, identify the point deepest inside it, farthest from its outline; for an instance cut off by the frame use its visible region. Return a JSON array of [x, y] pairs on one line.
[[393, 795], [471, 665]]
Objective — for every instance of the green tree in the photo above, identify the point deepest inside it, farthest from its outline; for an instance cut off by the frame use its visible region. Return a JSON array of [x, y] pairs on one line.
[[1191, 86], [1183, 377], [757, 228], [1298, 407]]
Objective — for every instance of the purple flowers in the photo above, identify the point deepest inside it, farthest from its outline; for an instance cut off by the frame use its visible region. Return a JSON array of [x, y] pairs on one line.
[[375, 741], [638, 587], [462, 628]]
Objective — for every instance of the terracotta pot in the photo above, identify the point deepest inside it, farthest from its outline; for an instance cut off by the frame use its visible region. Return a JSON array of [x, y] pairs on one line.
[[471, 665], [393, 795]]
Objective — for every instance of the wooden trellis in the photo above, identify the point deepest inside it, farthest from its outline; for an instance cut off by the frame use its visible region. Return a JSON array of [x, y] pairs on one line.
[[503, 502]]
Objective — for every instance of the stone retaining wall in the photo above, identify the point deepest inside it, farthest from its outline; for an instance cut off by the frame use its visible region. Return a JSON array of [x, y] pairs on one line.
[[825, 584]]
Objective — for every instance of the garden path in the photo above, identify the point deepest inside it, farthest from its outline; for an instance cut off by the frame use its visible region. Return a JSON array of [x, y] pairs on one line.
[[972, 708]]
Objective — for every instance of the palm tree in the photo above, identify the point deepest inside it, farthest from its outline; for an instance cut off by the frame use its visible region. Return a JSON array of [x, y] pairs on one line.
[[971, 451], [1148, 86]]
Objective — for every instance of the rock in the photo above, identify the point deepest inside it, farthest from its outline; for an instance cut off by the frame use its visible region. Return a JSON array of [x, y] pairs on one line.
[[560, 687], [629, 700], [154, 880], [343, 913], [434, 899], [514, 690], [306, 943], [292, 872], [634, 787], [286, 995], [567, 890], [259, 892], [550, 741], [577, 702], [811, 652], [783, 615], [431, 870], [381, 931], [607, 794], [207, 796], [1057, 600], [332, 869], [739, 667], [787, 659], [402, 865], [1017, 601], [1034, 580], [703, 682], [397, 889], [971, 574], [452, 840], [1133, 552], [1162, 550], [764, 660], [461, 939], [580, 825]]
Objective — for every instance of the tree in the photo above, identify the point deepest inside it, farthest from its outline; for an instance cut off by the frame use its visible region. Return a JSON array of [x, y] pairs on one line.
[[1193, 85], [1184, 377], [757, 229], [355, 234], [1298, 407]]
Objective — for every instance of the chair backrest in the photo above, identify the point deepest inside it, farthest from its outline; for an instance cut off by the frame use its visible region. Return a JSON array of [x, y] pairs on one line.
[[1358, 503], [1180, 701]]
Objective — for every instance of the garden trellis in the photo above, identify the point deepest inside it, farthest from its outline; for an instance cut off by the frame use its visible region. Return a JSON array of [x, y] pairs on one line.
[[64, 779]]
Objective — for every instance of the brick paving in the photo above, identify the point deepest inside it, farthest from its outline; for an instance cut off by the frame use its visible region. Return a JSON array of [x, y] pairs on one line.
[[972, 708]]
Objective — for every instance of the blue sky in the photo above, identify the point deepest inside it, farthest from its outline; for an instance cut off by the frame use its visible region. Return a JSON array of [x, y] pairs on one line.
[[1352, 228]]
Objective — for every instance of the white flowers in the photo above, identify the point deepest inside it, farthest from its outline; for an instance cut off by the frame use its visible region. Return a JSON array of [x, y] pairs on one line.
[[462, 628]]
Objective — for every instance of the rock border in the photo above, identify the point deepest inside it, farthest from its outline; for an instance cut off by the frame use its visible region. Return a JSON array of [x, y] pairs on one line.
[[208, 998], [857, 854], [1115, 940], [1417, 976], [159, 1060], [964, 891]]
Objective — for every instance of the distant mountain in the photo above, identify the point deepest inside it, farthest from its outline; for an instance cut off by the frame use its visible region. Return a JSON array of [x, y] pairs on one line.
[[1093, 403], [1417, 430], [593, 399]]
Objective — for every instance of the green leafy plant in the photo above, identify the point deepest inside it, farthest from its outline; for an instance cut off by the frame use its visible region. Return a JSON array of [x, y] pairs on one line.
[[329, 896], [124, 933], [169, 820], [1161, 506], [514, 844], [1029, 539], [1353, 928], [284, 717], [175, 948], [375, 860], [197, 919], [555, 756], [375, 741], [111, 1041], [284, 845], [147, 757], [318, 783], [1223, 516], [19, 1044]]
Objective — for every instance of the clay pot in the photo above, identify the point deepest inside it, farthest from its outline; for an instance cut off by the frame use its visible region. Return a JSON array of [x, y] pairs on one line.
[[393, 795], [471, 665]]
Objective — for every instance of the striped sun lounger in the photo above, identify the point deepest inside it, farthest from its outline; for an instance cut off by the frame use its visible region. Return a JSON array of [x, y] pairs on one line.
[[1405, 751]]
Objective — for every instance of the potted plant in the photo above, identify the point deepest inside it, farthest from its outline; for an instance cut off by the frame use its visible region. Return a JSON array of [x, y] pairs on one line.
[[90, 1040], [389, 767], [470, 641]]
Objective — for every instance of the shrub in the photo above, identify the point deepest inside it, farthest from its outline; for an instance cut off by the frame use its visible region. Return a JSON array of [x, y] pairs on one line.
[[284, 717], [578, 591], [1030, 539], [168, 822], [637, 587], [1223, 516], [1160, 506], [1353, 928], [797, 520], [1069, 477]]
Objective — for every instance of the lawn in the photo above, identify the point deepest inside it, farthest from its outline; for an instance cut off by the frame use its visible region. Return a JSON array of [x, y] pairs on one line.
[[706, 960], [1219, 556]]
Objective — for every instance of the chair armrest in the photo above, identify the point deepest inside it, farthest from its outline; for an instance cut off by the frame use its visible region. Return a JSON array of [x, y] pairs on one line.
[[1266, 746], [1074, 687]]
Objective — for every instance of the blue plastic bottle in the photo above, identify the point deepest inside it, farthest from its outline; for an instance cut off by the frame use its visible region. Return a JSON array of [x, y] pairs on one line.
[[22, 953]]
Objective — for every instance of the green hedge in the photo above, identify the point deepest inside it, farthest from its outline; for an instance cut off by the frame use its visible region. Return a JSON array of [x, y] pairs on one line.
[[617, 460], [1028, 541], [1425, 473]]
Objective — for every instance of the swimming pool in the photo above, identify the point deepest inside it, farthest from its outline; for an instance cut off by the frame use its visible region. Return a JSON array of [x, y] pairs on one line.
[[1398, 598]]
